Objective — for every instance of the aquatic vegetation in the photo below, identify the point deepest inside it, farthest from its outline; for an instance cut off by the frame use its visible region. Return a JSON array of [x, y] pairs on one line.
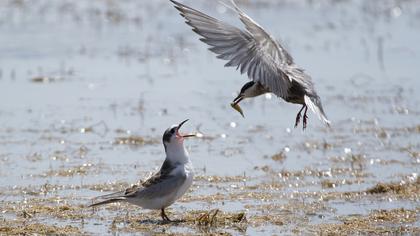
[[86, 87], [136, 141], [11, 228], [377, 223]]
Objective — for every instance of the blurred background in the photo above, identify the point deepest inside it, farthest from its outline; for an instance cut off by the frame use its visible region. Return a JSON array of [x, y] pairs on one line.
[[87, 89]]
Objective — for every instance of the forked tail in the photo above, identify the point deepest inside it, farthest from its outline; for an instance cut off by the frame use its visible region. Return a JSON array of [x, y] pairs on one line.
[[314, 103]]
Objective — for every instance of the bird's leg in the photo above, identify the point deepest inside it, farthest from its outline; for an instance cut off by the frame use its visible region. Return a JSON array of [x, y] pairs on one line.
[[298, 116], [163, 215], [305, 119]]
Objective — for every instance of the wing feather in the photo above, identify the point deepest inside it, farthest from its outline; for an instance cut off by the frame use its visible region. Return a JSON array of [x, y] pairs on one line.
[[167, 185], [115, 197], [280, 54], [255, 52], [252, 51]]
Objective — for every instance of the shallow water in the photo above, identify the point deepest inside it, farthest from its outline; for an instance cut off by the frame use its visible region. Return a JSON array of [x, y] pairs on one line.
[[76, 77]]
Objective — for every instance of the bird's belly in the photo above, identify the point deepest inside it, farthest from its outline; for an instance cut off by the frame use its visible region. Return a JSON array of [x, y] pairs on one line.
[[188, 182], [153, 204], [296, 93], [295, 99]]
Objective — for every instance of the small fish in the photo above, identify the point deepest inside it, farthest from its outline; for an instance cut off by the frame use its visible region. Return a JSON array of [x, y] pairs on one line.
[[237, 108]]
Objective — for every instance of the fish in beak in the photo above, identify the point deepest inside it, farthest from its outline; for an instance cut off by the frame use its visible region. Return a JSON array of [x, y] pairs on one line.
[[235, 104]]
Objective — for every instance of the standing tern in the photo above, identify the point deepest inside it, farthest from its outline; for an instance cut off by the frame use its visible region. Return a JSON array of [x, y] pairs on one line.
[[165, 187], [254, 51]]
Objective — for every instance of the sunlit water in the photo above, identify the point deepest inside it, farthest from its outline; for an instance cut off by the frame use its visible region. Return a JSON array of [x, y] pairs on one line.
[[117, 69]]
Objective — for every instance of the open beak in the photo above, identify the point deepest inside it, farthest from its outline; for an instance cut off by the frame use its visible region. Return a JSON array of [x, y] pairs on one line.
[[183, 135], [235, 104]]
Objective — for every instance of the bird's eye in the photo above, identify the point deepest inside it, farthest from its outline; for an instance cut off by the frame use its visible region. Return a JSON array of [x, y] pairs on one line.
[[173, 130]]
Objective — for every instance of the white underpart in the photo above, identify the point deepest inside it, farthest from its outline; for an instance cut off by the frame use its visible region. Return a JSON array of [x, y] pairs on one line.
[[176, 152], [168, 187], [178, 155], [188, 170], [315, 109]]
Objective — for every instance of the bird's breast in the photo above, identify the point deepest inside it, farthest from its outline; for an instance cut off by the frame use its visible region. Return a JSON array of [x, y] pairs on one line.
[[189, 176], [296, 94]]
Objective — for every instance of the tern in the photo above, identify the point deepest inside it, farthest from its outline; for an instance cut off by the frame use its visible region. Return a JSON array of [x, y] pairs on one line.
[[255, 52], [166, 186]]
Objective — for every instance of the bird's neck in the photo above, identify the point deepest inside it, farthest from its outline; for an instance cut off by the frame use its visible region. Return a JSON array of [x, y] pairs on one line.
[[255, 90], [176, 153]]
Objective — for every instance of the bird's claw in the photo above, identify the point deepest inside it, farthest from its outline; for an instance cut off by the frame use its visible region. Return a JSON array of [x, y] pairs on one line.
[[305, 121], [164, 216], [297, 120]]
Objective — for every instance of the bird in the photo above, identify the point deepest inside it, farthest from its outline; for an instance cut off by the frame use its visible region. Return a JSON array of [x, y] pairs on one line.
[[254, 51], [166, 186]]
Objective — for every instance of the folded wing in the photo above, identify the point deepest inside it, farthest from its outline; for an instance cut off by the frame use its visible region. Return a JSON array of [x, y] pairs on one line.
[[115, 197]]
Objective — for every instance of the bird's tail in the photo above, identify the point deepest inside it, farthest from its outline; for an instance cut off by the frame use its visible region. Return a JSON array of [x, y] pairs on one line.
[[314, 103], [109, 198], [106, 202]]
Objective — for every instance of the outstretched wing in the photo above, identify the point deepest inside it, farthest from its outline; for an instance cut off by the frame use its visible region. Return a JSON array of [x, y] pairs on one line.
[[252, 50], [276, 51]]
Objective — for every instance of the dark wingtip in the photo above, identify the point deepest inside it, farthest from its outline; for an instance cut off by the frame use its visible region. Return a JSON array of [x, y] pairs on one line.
[[177, 4]]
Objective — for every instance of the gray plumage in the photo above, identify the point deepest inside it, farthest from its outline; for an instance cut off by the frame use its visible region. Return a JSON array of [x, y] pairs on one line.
[[160, 184], [166, 186], [255, 52]]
